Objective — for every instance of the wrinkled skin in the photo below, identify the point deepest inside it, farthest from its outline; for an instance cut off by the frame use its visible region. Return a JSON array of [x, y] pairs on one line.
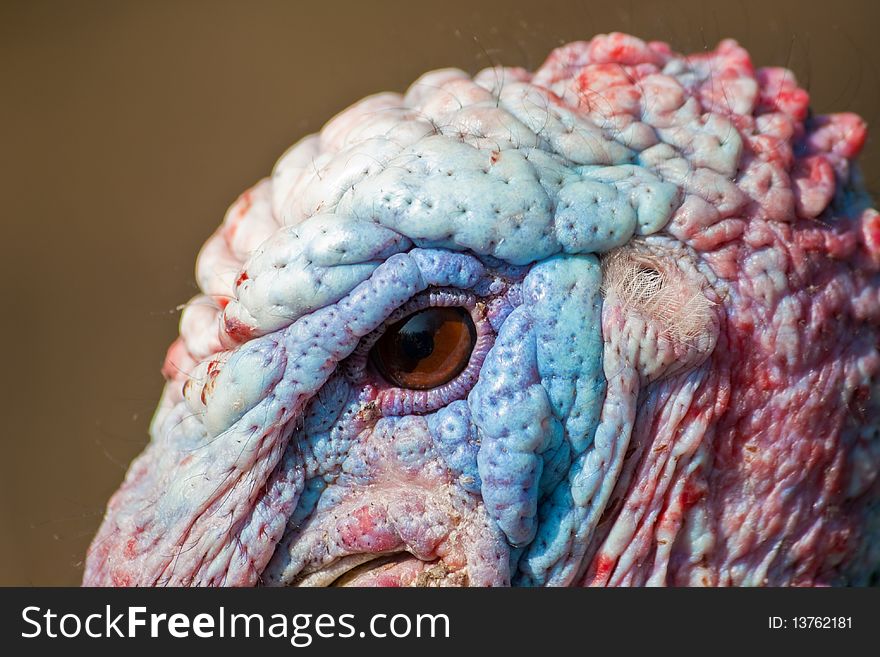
[[672, 268]]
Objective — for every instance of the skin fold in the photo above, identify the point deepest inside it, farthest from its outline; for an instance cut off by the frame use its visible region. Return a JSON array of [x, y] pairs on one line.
[[671, 268]]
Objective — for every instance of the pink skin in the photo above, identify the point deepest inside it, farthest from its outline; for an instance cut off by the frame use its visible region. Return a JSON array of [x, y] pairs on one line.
[[408, 505], [742, 452]]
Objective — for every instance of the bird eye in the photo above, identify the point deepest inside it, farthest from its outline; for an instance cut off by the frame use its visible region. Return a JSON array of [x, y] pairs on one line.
[[426, 349]]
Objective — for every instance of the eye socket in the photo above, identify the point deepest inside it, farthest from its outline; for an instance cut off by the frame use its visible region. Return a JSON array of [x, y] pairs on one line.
[[426, 349]]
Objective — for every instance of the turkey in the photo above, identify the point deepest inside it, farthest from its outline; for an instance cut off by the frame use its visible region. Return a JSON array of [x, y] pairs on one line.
[[613, 322]]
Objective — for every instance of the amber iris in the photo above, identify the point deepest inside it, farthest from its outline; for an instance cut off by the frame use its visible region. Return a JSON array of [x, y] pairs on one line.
[[426, 349]]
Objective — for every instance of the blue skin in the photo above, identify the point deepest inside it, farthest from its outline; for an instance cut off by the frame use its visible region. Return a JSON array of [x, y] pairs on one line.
[[519, 438], [520, 230]]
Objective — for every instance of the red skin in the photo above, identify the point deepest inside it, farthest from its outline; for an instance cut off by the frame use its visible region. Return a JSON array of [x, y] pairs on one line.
[[770, 475]]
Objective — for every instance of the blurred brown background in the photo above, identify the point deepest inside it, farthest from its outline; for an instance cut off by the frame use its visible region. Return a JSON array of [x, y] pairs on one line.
[[126, 128]]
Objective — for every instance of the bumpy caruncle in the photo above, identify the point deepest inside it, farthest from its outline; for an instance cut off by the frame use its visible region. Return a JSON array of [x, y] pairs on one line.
[[671, 268]]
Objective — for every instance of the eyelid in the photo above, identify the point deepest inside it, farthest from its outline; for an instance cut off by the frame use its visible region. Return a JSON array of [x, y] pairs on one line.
[[393, 401]]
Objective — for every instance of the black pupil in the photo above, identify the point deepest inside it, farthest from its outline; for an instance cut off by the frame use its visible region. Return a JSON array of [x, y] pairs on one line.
[[416, 339]]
